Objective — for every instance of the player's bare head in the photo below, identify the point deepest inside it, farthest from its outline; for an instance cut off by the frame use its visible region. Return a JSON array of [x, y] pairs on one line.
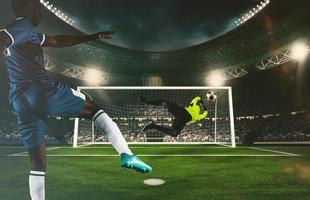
[[30, 9]]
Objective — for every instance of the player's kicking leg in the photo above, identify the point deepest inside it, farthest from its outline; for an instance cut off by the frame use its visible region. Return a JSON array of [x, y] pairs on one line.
[[75, 104], [35, 104], [104, 123]]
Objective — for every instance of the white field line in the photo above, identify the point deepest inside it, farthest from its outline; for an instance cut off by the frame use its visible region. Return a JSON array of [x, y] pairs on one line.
[[273, 151], [169, 147], [84, 145], [285, 147], [152, 88], [154, 147], [52, 148], [180, 147], [168, 155], [158, 147], [278, 153], [25, 153], [110, 147], [224, 145]]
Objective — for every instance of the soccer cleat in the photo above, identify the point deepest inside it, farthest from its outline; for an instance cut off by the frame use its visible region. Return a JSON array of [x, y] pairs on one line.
[[148, 126], [134, 162]]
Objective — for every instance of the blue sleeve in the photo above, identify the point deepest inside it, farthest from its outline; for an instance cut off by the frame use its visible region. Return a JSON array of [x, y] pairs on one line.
[[36, 38], [19, 31]]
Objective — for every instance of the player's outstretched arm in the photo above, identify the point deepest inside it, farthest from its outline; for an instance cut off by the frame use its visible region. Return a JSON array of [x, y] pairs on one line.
[[195, 101], [67, 41]]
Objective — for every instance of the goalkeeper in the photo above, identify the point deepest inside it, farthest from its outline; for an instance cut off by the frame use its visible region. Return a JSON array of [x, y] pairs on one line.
[[182, 115]]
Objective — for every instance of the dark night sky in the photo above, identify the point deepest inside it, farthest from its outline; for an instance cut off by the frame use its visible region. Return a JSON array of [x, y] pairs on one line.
[[156, 25]]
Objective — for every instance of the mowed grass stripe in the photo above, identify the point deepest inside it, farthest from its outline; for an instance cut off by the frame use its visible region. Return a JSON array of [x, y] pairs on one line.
[[212, 178], [160, 151]]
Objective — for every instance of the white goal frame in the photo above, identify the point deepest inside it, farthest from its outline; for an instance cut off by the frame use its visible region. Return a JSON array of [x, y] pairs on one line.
[[230, 102]]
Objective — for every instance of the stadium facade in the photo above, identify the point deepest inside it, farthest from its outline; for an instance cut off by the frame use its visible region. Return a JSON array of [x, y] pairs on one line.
[[237, 52]]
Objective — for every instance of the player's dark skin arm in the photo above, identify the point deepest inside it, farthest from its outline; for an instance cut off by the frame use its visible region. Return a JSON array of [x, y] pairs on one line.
[[68, 41], [89, 108], [5, 41]]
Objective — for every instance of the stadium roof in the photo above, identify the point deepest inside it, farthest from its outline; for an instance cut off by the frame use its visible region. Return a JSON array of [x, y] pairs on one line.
[[155, 25], [273, 29]]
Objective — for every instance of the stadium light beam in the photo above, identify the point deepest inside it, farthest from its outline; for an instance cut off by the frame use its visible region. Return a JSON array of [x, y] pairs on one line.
[[94, 77], [299, 52], [216, 78]]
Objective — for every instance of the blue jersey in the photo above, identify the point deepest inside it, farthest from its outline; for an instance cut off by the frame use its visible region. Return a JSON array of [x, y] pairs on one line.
[[24, 56], [33, 96]]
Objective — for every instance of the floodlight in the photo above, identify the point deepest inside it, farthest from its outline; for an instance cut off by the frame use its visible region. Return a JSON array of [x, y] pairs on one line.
[[299, 51], [93, 76], [216, 78]]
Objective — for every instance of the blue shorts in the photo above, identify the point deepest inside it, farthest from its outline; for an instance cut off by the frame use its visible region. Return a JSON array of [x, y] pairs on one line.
[[40, 100]]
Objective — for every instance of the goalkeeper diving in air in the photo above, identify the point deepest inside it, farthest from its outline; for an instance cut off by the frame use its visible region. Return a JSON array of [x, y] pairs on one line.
[[196, 111]]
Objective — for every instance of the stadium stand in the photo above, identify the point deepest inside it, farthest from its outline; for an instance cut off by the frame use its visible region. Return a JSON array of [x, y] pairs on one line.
[[59, 131], [277, 128]]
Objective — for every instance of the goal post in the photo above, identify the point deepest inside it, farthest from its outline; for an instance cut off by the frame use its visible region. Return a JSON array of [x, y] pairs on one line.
[[123, 106]]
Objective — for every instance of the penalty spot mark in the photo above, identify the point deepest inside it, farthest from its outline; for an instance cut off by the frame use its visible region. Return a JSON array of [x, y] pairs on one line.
[[154, 182]]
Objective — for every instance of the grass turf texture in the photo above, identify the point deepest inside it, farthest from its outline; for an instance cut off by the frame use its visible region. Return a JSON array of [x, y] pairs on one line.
[[101, 178]]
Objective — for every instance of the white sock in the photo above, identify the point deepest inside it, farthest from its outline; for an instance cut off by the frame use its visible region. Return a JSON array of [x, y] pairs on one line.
[[37, 185], [104, 123]]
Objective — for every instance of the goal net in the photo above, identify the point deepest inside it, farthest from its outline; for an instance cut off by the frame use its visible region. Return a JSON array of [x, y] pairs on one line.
[[122, 104]]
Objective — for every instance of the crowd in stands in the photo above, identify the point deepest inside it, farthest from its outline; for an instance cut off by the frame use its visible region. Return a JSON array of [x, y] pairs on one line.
[[8, 131], [55, 133], [288, 127], [277, 128]]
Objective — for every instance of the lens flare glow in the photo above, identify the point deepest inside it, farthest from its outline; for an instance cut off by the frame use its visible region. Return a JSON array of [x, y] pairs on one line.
[[94, 77], [216, 78], [299, 52]]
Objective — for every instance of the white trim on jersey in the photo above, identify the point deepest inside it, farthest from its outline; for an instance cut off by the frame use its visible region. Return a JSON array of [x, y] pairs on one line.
[[43, 39], [78, 94], [9, 34]]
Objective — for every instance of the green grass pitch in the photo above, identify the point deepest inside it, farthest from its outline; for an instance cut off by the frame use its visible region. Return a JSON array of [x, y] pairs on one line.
[[191, 172]]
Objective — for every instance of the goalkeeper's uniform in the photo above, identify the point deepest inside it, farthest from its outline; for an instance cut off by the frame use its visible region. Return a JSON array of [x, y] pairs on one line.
[[183, 115]]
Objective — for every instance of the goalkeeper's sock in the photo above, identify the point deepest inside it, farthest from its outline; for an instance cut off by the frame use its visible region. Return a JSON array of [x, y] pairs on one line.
[[105, 123], [37, 185]]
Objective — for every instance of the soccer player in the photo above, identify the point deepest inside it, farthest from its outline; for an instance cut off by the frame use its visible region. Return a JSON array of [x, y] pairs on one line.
[[182, 115], [33, 95]]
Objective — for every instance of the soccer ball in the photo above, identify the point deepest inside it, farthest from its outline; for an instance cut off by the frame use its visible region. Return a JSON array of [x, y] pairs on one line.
[[211, 96]]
